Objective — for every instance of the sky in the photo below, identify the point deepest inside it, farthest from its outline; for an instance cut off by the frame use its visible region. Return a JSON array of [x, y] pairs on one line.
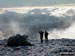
[[21, 3]]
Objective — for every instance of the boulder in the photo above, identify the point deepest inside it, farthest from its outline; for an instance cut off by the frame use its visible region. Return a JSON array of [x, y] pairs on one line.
[[18, 40]]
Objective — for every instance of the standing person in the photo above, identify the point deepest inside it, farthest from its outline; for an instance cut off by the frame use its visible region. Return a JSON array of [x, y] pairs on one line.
[[41, 36], [46, 36]]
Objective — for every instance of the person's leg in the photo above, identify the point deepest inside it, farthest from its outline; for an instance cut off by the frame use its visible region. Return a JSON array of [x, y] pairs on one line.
[[46, 38], [41, 38]]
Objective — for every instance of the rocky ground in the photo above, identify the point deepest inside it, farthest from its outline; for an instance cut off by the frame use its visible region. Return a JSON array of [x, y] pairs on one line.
[[52, 48]]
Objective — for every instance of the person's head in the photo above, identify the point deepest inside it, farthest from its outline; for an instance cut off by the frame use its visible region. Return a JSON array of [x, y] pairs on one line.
[[46, 31]]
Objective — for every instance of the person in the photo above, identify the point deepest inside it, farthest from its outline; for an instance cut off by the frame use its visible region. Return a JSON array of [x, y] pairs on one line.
[[46, 36], [41, 36]]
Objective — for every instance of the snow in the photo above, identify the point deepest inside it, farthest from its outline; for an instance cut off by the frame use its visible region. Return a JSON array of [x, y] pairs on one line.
[[52, 48]]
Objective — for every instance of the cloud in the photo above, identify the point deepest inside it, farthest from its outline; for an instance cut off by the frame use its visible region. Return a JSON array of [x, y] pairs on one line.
[[55, 20]]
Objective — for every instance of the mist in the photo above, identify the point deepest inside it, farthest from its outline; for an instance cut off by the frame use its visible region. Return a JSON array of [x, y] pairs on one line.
[[59, 22]]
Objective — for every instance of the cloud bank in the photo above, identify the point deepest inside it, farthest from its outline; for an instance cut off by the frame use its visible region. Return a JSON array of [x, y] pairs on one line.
[[59, 22]]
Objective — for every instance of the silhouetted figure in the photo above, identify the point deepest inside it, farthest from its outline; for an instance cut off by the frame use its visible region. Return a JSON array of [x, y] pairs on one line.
[[41, 36], [46, 36]]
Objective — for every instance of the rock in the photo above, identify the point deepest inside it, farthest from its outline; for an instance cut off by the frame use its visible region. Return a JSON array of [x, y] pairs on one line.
[[18, 40], [1, 44], [16, 48]]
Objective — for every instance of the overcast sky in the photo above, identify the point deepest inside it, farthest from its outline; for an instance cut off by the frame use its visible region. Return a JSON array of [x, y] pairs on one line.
[[21, 3]]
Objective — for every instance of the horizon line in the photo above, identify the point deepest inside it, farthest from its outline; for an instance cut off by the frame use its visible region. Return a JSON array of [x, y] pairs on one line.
[[59, 5]]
